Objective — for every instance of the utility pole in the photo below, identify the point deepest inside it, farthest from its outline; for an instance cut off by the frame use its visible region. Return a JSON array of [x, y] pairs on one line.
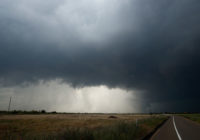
[[9, 104], [136, 122]]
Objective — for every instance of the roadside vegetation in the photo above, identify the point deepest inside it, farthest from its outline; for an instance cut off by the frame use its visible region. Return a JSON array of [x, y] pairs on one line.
[[193, 117], [78, 126]]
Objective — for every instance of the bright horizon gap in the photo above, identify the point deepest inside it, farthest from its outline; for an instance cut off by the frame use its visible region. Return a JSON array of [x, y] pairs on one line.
[[61, 97]]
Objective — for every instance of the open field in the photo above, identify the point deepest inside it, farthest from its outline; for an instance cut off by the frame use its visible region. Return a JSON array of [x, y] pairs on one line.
[[193, 117], [78, 126]]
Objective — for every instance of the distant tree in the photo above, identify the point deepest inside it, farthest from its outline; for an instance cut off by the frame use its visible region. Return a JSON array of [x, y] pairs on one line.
[[112, 117], [33, 112]]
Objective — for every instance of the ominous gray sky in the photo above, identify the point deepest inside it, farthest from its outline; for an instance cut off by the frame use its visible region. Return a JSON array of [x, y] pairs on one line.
[[100, 55]]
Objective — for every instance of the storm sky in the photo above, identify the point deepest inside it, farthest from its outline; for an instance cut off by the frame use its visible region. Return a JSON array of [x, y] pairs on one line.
[[100, 55]]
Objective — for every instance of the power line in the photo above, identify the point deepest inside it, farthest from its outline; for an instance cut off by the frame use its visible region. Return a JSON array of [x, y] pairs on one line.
[[9, 104]]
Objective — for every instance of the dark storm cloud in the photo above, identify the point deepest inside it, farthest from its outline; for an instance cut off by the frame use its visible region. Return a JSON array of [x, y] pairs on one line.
[[154, 47]]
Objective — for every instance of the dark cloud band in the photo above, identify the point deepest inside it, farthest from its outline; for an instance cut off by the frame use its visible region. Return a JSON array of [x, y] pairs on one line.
[[160, 55]]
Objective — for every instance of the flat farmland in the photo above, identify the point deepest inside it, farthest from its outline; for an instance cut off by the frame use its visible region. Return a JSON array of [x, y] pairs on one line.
[[78, 126]]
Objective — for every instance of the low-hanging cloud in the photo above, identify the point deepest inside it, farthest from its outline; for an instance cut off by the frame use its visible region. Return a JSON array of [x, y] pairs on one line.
[[147, 45], [55, 95]]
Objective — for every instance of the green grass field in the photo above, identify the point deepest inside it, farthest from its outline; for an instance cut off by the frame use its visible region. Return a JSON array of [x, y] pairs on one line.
[[193, 117], [77, 126]]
